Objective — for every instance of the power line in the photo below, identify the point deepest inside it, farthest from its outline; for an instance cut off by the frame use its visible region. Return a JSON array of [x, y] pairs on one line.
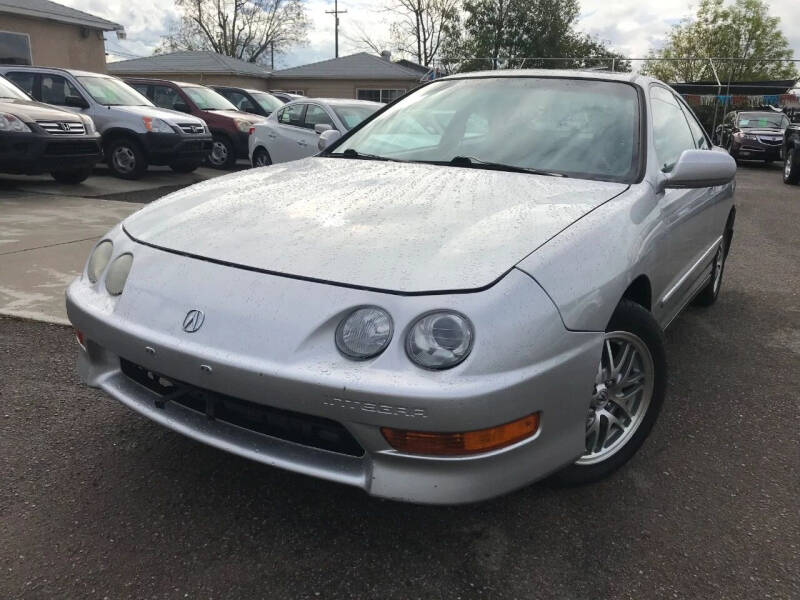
[[336, 12]]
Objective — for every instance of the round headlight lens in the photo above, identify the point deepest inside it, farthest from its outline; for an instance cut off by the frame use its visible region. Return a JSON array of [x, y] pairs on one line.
[[440, 340], [364, 333], [118, 274], [99, 260]]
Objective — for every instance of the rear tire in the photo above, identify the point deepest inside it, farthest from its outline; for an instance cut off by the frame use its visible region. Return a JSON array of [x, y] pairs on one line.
[[72, 177], [126, 159], [791, 166], [627, 395], [261, 158], [223, 154]]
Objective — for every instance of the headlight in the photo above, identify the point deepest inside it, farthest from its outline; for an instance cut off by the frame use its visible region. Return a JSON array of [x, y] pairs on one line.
[[9, 122], [88, 124], [440, 340], [156, 125], [98, 260], [118, 274], [243, 125], [364, 333]]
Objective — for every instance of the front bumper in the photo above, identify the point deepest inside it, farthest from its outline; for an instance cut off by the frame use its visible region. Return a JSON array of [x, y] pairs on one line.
[[34, 152], [247, 351], [756, 150], [167, 148]]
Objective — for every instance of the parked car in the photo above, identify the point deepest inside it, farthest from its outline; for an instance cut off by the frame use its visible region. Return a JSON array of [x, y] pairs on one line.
[[431, 322], [250, 101], [285, 97], [229, 126], [790, 152], [38, 138], [293, 132], [135, 133], [752, 135]]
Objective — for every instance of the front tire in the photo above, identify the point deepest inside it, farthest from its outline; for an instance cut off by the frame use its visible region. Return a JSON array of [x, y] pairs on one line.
[[709, 294], [791, 167], [72, 177], [223, 154], [261, 158], [126, 159], [627, 395]]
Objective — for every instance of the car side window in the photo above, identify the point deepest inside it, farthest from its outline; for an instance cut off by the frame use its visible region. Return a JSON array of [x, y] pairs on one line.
[[166, 97], [240, 101], [292, 115], [23, 81], [698, 133], [671, 133], [56, 89], [316, 115], [141, 88]]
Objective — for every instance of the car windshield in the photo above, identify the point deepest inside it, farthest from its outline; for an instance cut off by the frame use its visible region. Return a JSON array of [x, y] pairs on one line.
[[571, 127], [9, 90], [768, 120], [112, 92], [352, 114], [267, 101], [208, 99]]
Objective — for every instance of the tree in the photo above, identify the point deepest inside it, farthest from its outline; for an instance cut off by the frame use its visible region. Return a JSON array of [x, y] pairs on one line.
[[743, 30], [244, 29], [421, 27], [518, 33]]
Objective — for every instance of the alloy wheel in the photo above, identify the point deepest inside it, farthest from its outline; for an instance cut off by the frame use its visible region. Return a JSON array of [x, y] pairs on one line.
[[787, 164], [124, 159], [622, 393]]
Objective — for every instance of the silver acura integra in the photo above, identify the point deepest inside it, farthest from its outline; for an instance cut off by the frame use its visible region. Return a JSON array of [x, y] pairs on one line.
[[462, 295]]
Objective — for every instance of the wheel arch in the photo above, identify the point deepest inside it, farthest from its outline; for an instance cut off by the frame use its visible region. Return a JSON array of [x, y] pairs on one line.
[[640, 291]]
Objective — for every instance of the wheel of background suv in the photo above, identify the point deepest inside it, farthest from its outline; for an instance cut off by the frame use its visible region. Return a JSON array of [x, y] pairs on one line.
[[222, 155], [791, 166], [74, 176], [261, 158], [184, 166], [709, 294], [126, 158], [627, 394]]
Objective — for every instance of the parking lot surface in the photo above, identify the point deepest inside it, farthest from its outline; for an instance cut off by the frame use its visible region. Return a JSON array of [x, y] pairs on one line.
[[97, 502]]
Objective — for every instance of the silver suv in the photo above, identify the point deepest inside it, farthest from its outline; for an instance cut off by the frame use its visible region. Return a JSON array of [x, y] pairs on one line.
[[135, 133]]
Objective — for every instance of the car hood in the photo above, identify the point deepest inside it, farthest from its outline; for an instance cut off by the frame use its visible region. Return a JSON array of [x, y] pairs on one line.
[[237, 114], [406, 228], [171, 116], [30, 110]]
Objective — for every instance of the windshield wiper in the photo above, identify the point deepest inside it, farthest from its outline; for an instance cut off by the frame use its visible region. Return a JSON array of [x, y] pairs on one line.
[[350, 153], [477, 163]]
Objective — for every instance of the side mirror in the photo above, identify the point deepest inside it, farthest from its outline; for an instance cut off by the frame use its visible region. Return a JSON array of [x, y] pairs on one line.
[[322, 127], [699, 169], [327, 137], [75, 102]]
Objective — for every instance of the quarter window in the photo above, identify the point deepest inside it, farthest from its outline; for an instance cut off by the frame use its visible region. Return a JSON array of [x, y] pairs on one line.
[[15, 48], [381, 95], [671, 133]]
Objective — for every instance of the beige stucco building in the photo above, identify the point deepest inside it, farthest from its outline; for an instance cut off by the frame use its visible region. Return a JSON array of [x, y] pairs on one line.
[[45, 33]]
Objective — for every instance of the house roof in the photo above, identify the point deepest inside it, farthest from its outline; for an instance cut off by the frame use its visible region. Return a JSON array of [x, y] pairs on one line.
[[355, 66], [44, 9], [410, 64], [187, 61]]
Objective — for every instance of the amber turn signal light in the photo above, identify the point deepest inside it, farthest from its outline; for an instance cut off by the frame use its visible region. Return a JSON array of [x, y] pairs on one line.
[[468, 442]]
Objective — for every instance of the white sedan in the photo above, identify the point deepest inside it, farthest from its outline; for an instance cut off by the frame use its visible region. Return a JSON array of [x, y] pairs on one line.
[[293, 132]]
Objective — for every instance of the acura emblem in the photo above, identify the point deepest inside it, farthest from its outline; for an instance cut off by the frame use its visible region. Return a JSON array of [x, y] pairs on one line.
[[193, 320]]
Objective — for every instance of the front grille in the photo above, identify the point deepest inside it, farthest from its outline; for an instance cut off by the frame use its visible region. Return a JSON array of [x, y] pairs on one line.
[[63, 127], [70, 148], [770, 141], [291, 426], [191, 128]]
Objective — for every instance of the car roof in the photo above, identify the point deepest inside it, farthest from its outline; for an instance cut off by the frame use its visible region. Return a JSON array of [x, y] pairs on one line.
[[559, 73], [73, 72]]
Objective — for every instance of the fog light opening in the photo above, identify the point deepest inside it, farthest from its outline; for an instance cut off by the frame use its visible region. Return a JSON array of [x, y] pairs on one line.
[[462, 443]]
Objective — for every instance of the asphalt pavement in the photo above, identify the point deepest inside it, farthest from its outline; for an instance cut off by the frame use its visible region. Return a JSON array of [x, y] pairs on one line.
[[98, 502]]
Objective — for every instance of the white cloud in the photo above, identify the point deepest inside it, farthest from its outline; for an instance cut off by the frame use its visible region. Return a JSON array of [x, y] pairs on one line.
[[632, 27]]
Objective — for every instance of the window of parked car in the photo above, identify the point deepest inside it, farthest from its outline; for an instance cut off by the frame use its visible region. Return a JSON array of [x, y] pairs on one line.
[[240, 100], [112, 92], [698, 133], [166, 97], [267, 101], [207, 99], [671, 133], [9, 90], [23, 81], [15, 48], [292, 115], [56, 89], [352, 114], [380, 95], [316, 115], [763, 119]]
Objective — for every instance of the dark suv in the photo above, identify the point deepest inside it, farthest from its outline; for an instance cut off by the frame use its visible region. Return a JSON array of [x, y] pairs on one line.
[[791, 153], [229, 126], [39, 138], [752, 135], [254, 102]]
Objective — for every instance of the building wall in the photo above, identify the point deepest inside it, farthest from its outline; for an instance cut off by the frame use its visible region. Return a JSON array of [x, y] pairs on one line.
[[255, 83], [60, 44], [337, 88]]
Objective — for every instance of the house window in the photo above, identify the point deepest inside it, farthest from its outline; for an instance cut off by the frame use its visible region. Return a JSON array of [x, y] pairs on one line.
[[377, 95], [15, 48], [298, 92]]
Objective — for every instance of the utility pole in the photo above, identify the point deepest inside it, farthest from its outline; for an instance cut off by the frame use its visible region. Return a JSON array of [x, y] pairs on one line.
[[336, 12]]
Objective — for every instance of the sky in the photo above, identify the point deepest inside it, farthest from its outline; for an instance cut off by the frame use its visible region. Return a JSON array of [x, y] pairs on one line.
[[631, 27]]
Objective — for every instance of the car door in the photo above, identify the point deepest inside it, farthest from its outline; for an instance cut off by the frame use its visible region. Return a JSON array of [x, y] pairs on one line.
[[682, 211], [315, 115], [284, 136]]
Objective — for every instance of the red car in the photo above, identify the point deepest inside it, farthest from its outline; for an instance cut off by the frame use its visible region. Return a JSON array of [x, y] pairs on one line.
[[229, 126]]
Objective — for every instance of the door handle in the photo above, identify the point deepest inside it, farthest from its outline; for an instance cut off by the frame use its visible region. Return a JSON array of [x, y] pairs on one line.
[[301, 143], [271, 135]]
